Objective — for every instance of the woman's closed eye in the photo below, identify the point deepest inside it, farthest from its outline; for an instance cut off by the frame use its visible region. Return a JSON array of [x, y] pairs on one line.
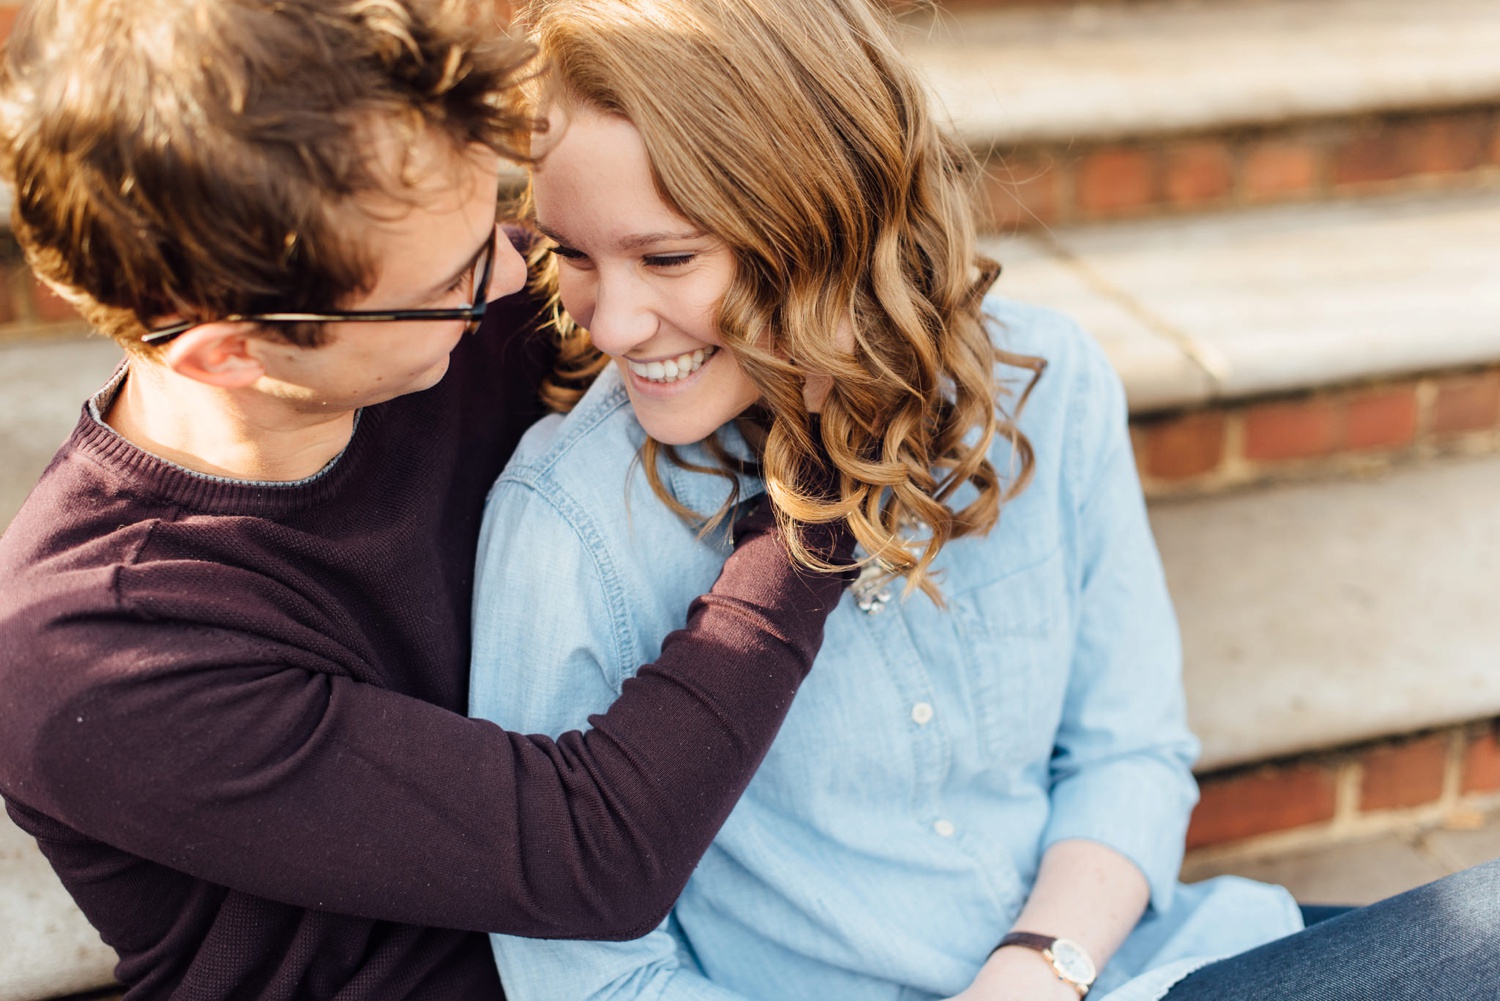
[[578, 258], [668, 260], [566, 253]]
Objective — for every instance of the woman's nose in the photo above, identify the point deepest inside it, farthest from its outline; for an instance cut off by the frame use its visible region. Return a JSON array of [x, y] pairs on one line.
[[622, 319]]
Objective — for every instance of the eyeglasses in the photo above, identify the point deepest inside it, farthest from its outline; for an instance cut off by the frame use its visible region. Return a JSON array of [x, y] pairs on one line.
[[481, 271]]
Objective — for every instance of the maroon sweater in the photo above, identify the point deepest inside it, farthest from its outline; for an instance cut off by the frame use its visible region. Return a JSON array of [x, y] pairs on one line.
[[232, 715]]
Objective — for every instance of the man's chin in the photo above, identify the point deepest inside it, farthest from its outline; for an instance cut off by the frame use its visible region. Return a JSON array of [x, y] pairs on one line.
[[426, 380]]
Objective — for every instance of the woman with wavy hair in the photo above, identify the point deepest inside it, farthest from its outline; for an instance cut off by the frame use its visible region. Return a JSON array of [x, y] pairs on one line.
[[750, 214]]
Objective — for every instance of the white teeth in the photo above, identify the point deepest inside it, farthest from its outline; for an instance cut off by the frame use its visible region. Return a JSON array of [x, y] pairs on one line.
[[672, 369]]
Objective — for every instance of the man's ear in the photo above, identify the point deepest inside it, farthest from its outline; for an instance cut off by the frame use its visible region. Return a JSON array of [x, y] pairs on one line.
[[216, 354]]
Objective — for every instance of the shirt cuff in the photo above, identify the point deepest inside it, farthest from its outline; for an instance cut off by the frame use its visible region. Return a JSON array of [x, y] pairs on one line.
[[1137, 807]]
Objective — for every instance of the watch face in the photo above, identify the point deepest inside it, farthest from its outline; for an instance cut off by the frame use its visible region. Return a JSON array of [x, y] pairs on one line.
[[1072, 962]]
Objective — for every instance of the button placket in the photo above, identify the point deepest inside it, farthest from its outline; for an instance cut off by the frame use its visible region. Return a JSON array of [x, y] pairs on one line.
[[930, 750]]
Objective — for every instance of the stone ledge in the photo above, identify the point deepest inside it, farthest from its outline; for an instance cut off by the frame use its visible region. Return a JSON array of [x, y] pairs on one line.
[[1317, 615], [50, 949], [1227, 306], [1091, 71]]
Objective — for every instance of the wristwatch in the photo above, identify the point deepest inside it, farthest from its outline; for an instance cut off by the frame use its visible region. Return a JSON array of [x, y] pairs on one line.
[[1068, 959]]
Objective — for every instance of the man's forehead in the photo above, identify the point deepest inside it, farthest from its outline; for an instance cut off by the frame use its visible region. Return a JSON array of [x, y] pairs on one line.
[[423, 169]]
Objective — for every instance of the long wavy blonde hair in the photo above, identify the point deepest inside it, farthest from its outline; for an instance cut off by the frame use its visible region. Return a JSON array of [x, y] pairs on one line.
[[796, 132]]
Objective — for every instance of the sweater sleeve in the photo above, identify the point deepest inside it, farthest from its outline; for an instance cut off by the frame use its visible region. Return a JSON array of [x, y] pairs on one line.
[[208, 750], [549, 578]]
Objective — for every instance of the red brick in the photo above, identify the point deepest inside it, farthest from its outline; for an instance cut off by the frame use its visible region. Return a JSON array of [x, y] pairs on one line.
[[1180, 447], [48, 306], [1115, 181], [1378, 154], [1382, 418], [1199, 173], [1296, 429], [1279, 168], [1448, 145], [1482, 763], [1277, 798], [1467, 403], [1022, 192], [14, 276], [8, 12], [1403, 775]]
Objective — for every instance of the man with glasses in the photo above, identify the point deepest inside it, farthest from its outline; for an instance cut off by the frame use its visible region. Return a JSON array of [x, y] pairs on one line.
[[234, 613], [476, 280]]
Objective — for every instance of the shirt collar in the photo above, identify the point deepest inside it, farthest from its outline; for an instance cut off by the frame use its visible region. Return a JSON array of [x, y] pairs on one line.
[[705, 492]]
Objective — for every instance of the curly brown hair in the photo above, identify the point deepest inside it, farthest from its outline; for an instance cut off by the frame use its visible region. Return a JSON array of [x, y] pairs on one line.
[[190, 157], [796, 132]]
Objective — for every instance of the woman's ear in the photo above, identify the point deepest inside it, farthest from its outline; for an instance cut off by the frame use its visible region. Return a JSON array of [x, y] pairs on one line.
[[815, 388], [216, 354]]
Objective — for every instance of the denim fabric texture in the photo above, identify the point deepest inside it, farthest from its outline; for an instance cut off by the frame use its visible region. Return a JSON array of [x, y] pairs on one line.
[[934, 753], [1439, 942]]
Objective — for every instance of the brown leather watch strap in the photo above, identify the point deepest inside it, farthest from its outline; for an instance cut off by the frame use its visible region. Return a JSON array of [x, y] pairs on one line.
[[1031, 940]]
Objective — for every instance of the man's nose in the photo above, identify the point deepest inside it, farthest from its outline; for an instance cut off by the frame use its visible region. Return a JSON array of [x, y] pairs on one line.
[[508, 273]]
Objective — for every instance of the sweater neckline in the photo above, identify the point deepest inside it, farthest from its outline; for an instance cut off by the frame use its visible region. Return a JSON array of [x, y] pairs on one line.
[[205, 493]]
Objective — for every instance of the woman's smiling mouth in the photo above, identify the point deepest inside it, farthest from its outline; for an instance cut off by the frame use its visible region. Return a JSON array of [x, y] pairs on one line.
[[671, 369]]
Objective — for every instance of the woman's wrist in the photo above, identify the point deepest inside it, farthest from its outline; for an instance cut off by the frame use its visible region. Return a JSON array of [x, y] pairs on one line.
[[1017, 974]]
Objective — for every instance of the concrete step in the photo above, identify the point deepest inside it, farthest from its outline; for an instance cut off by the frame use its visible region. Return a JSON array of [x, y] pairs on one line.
[[1089, 111], [50, 949], [1090, 71], [1226, 307], [1322, 614]]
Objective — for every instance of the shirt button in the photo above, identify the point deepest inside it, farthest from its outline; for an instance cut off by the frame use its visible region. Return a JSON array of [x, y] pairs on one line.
[[921, 713], [944, 828]]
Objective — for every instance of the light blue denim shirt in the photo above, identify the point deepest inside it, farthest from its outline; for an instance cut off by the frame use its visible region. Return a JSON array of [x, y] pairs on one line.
[[933, 754]]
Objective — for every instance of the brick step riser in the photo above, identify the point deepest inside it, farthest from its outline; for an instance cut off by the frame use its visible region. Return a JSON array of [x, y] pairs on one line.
[[1334, 430], [1044, 185], [1447, 776]]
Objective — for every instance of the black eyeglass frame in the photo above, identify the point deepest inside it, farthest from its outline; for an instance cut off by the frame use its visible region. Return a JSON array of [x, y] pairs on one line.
[[473, 313]]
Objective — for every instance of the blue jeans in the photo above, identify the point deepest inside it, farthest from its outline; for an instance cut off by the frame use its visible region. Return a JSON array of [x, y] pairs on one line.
[[1439, 942]]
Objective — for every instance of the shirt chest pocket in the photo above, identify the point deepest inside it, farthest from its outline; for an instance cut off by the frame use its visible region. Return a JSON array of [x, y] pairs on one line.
[[1016, 637]]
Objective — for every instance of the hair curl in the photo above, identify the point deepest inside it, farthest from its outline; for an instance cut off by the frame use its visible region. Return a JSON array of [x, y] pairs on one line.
[[795, 131]]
